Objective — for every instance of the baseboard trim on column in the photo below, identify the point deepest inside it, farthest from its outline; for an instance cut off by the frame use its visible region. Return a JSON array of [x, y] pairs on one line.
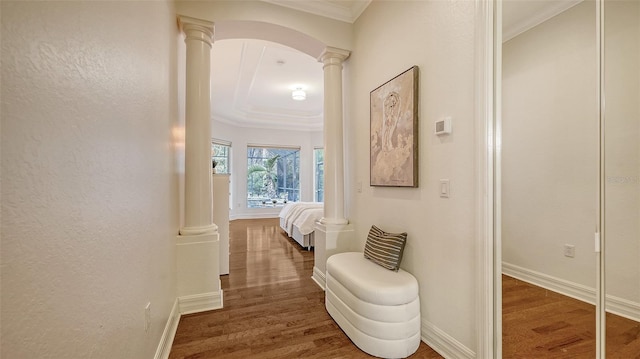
[[196, 303], [443, 343], [170, 329], [319, 278], [188, 304]]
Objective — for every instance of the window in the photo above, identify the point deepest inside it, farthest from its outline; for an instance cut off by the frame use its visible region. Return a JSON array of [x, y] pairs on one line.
[[318, 170], [221, 153], [273, 176]]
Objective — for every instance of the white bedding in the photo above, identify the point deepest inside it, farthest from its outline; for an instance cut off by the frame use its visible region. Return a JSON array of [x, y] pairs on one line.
[[302, 215]]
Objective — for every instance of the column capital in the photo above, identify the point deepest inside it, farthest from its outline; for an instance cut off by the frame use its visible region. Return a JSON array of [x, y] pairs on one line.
[[333, 55], [196, 29]]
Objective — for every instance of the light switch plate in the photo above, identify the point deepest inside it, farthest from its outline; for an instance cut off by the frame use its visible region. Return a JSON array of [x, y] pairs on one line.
[[443, 127], [444, 188]]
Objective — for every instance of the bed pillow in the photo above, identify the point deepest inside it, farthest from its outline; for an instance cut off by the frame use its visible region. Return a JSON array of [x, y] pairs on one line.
[[385, 249]]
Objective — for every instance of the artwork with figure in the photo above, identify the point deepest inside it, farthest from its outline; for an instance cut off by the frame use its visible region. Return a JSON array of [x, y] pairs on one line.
[[394, 131]]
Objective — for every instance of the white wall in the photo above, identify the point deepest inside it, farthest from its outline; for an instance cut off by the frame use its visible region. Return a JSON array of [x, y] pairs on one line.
[[550, 146], [240, 137], [437, 36], [89, 185]]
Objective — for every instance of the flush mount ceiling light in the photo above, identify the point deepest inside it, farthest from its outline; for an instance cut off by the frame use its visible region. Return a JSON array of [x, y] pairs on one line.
[[298, 94]]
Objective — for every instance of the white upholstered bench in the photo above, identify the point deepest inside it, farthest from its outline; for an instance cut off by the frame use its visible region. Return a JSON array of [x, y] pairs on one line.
[[377, 308]]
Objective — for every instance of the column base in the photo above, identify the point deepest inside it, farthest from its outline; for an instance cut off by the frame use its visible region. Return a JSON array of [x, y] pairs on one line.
[[329, 240], [197, 267], [334, 221], [197, 303], [198, 230]]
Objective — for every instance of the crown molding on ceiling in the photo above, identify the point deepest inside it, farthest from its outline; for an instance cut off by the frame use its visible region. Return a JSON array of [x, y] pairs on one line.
[[347, 11], [525, 21], [311, 126]]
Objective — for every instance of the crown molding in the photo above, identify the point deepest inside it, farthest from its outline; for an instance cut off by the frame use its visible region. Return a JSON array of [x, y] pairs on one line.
[[538, 18], [346, 13], [271, 124]]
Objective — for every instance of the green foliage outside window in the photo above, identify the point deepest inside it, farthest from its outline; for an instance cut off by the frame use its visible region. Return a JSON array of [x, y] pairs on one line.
[[221, 155], [273, 176]]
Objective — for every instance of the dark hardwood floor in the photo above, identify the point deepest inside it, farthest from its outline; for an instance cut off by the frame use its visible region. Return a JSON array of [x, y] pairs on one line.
[[272, 307], [539, 323]]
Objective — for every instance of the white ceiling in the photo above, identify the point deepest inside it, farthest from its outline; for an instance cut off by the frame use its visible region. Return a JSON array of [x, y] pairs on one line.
[[252, 80]]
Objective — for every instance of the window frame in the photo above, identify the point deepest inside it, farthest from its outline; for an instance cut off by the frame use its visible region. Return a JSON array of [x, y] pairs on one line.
[[318, 179], [216, 142], [283, 192]]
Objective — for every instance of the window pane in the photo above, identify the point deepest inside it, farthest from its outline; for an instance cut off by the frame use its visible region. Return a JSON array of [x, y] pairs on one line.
[[273, 176], [221, 154], [318, 160]]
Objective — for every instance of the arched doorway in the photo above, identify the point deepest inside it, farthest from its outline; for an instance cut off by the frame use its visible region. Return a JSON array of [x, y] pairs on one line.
[[200, 35]]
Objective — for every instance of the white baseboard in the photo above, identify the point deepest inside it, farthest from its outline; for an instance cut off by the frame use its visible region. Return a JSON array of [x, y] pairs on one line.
[[253, 215], [319, 278], [185, 305], [614, 305], [624, 308], [570, 289], [164, 347], [200, 302], [443, 343]]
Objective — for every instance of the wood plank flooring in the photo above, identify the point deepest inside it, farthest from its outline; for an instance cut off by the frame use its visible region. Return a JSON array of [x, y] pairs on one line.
[[272, 307], [539, 323]]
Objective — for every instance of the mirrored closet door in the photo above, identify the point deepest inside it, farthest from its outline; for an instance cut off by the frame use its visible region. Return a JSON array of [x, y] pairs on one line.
[[621, 176], [569, 167], [549, 178]]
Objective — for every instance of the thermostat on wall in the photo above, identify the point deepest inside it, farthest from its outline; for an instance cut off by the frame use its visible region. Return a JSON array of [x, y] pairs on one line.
[[443, 127]]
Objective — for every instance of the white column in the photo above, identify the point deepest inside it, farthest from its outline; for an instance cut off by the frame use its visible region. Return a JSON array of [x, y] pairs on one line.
[[333, 234], [332, 59], [198, 200], [198, 245]]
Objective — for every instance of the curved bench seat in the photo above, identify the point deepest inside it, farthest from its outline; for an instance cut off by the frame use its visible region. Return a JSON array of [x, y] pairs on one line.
[[378, 309]]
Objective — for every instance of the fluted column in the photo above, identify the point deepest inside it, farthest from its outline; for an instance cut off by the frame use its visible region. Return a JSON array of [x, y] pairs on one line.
[[332, 59], [198, 201]]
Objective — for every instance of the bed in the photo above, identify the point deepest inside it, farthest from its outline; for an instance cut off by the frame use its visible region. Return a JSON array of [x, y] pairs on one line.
[[298, 219]]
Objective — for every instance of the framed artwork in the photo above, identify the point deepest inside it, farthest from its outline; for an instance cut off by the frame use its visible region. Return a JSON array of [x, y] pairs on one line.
[[394, 131]]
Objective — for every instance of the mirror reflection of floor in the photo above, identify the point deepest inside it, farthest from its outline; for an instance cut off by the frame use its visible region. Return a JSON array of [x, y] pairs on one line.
[[539, 323]]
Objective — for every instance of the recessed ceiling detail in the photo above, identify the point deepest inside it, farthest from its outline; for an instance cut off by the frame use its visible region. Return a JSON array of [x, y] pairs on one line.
[[252, 83]]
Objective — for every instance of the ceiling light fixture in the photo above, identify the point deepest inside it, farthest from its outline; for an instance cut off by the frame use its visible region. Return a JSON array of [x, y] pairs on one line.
[[298, 94]]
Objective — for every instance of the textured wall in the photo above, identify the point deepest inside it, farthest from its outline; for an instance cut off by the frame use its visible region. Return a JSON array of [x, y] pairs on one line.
[[89, 188], [437, 36]]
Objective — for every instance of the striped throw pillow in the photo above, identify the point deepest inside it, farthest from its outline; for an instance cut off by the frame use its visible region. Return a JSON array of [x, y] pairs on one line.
[[384, 248]]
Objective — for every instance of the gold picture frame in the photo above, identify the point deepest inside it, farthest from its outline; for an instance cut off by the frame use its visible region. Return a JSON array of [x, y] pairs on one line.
[[394, 131]]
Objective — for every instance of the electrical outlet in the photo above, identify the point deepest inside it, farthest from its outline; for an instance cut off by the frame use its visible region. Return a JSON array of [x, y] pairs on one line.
[[147, 317], [569, 250]]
